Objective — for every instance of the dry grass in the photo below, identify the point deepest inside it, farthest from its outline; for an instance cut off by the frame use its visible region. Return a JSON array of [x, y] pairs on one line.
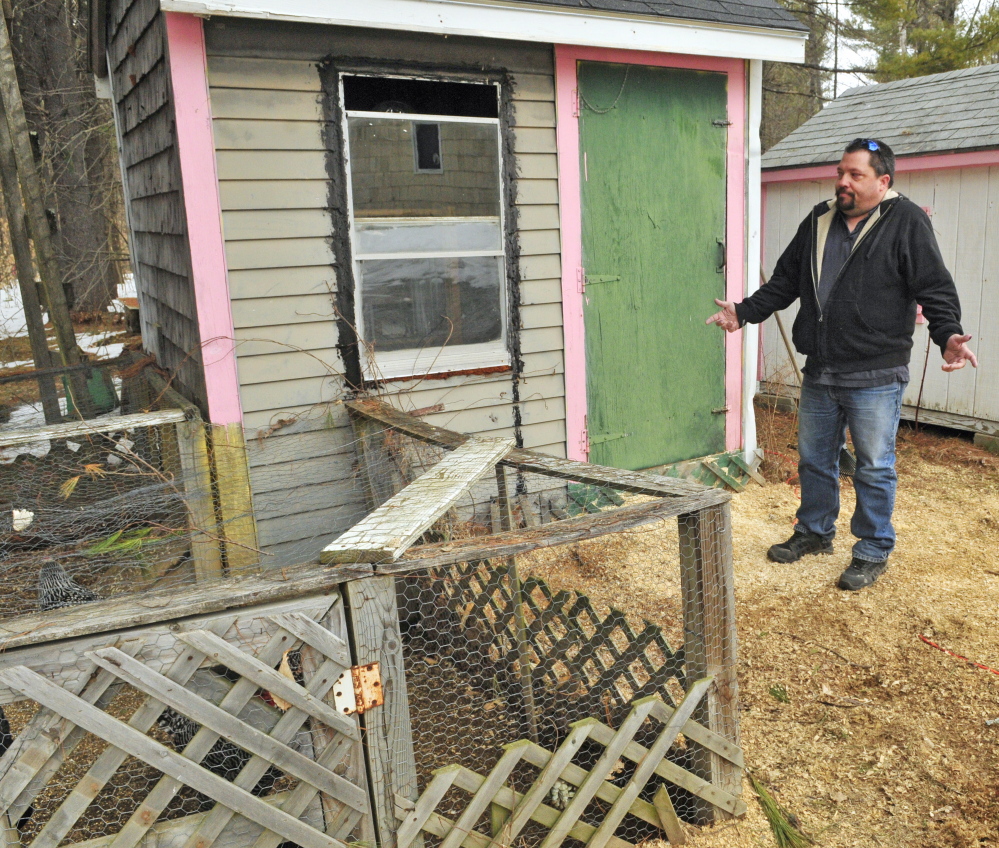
[[883, 740]]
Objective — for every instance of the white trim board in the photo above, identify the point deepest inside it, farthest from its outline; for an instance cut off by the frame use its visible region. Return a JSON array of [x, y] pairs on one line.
[[522, 22]]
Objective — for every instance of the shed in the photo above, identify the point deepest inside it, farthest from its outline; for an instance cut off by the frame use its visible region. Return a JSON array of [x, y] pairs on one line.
[[944, 129], [508, 218]]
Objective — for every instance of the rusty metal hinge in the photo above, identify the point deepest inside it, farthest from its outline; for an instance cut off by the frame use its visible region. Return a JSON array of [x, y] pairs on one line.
[[584, 437], [575, 103], [358, 689]]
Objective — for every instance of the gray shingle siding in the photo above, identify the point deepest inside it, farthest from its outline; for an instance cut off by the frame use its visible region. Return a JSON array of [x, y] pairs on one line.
[[941, 113]]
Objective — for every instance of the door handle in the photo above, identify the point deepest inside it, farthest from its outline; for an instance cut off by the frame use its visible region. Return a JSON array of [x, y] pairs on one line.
[[720, 267]]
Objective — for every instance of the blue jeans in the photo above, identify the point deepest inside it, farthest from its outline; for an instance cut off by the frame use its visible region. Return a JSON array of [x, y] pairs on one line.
[[872, 416]]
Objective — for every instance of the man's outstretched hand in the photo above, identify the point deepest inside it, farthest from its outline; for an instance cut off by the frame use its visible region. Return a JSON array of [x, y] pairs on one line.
[[726, 319], [957, 353]]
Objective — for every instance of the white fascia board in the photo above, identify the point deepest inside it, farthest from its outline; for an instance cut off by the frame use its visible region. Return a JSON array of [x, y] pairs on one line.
[[521, 22]]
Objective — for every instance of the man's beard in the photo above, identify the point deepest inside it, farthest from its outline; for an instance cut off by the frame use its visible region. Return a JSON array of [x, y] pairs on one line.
[[846, 201]]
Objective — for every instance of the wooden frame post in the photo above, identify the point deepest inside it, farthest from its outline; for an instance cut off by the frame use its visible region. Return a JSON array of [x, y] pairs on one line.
[[710, 642], [373, 625]]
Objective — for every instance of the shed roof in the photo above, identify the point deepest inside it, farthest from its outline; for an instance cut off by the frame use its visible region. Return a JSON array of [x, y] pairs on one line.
[[761, 13], [940, 113]]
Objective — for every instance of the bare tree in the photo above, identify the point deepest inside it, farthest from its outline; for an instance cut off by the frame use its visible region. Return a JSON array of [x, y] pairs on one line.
[[75, 145]]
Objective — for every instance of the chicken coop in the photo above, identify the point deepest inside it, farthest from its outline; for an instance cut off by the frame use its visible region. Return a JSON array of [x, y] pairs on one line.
[[420, 685]]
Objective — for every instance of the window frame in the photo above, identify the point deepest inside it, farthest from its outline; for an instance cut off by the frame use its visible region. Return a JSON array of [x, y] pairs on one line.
[[415, 362]]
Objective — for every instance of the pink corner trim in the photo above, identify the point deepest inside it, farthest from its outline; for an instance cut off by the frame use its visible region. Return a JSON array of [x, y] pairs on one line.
[[935, 162], [196, 149], [567, 133]]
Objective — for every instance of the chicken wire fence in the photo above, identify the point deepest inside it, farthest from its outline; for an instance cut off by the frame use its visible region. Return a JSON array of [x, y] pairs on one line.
[[524, 709]]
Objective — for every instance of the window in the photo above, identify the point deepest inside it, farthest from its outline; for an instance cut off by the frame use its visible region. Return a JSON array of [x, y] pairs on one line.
[[426, 217]]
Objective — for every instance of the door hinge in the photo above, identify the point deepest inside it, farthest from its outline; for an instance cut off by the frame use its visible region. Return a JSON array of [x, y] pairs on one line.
[[584, 439], [358, 689], [594, 279], [581, 279], [721, 123], [575, 103], [721, 410], [608, 437]]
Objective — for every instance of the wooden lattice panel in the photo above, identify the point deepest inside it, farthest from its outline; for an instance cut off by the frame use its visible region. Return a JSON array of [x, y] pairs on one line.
[[495, 814], [266, 774], [583, 663]]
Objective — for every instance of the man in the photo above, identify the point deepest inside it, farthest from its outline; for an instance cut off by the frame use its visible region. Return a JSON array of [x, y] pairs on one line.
[[858, 264]]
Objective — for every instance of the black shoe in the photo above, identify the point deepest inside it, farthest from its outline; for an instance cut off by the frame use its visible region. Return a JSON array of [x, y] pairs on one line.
[[798, 545], [861, 573]]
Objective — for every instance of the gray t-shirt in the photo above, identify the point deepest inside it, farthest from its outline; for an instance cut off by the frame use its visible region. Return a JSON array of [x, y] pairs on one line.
[[839, 244]]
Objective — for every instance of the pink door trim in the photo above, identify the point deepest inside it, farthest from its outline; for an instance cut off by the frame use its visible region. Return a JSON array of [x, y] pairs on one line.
[[566, 57], [934, 162], [199, 181]]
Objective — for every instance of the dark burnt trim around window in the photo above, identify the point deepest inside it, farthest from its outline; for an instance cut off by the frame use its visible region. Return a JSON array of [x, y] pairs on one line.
[[349, 346]]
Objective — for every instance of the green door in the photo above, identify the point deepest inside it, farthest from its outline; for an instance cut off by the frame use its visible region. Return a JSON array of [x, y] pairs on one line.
[[652, 159]]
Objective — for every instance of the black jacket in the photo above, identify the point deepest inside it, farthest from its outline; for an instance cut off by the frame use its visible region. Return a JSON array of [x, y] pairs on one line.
[[870, 315]]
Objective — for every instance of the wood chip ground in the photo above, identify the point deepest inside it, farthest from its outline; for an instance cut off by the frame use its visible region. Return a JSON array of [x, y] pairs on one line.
[[884, 739]]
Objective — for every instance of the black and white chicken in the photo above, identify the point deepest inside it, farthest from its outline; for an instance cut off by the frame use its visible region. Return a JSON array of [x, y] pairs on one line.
[[57, 589], [225, 759]]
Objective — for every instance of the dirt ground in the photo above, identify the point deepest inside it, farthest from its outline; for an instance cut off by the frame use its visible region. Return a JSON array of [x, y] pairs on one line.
[[883, 739]]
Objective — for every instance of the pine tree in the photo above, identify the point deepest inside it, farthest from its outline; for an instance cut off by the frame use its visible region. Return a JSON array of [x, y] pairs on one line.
[[916, 37]]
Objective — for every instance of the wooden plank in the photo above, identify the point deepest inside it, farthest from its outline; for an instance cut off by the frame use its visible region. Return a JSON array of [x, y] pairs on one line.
[[48, 740], [534, 113], [274, 283], [291, 307], [745, 466], [626, 481], [533, 87], [94, 427], [528, 805], [415, 818], [273, 194], [157, 613], [269, 679], [321, 645], [173, 832], [316, 636], [270, 73], [266, 104], [482, 797], [386, 533], [674, 774], [987, 343], [160, 757], [548, 535], [267, 135], [196, 480], [374, 633], [286, 728], [238, 524], [723, 475], [708, 598], [600, 771], [646, 768], [65, 817], [702, 736], [155, 802], [575, 775], [278, 253], [508, 798], [250, 224], [277, 165], [668, 818]]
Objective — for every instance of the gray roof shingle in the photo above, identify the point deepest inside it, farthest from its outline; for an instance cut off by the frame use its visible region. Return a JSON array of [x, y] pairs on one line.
[[755, 13], [940, 113]]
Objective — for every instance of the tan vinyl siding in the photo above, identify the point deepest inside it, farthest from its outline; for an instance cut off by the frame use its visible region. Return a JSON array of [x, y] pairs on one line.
[[267, 115], [964, 207], [140, 79]]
